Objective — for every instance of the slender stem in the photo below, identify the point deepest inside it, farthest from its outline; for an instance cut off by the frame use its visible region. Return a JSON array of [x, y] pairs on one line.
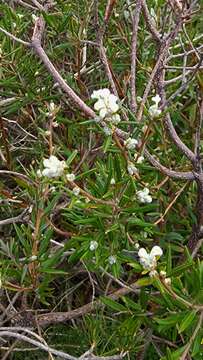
[[150, 22], [13, 37], [136, 18], [181, 175]]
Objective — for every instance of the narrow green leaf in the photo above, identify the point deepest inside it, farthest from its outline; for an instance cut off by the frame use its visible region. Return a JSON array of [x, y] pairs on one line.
[[187, 320], [113, 304]]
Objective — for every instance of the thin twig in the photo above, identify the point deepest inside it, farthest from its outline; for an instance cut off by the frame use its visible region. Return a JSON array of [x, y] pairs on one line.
[[170, 205], [181, 175], [57, 317], [13, 37], [150, 23], [136, 18], [13, 220]]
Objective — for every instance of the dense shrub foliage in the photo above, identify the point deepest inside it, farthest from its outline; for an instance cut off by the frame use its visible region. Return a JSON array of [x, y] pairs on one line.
[[101, 183]]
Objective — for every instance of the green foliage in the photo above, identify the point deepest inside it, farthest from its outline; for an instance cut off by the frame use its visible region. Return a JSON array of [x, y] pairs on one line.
[[47, 254]]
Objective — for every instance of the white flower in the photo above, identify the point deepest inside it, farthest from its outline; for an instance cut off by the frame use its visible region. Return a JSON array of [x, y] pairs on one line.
[[32, 258], [53, 167], [51, 106], [52, 109], [163, 273], [39, 173], [76, 190], [153, 109], [97, 94], [112, 182], [149, 261], [130, 143], [156, 99], [153, 273], [143, 196], [52, 189], [14, 25], [20, 16], [115, 119], [112, 259], [137, 246], [36, 73], [132, 170], [138, 160], [107, 130], [93, 245], [70, 177], [167, 281], [106, 102]]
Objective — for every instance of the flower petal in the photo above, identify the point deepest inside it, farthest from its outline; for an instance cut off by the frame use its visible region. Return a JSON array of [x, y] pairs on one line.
[[156, 251], [142, 253]]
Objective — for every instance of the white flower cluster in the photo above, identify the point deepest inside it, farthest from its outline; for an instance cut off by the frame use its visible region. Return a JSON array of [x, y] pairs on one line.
[[130, 143], [154, 110], [70, 177], [111, 259], [149, 260], [93, 245], [143, 196], [106, 105], [76, 191], [52, 108], [53, 167], [132, 170], [139, 159]]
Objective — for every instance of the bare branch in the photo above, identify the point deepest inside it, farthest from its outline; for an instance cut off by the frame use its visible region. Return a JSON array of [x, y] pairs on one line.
[[38, 5], [176, 139], [12, 334], [136, 18], [162, 54], [36, 45], [23, 3], [181, 175], [14, 173], [13, 37], [16, 219], [57, 317], [150, 23]]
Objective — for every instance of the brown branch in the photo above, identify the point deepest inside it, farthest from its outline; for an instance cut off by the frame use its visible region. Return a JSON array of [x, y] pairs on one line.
[[57, 317], [150, 23], [23, 3], [176, 139], [17, 219], [36, 45], [104, 60], [181, 175], [13, 37], [159, 64], [108, 11], [20, 176], [136, 18]]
